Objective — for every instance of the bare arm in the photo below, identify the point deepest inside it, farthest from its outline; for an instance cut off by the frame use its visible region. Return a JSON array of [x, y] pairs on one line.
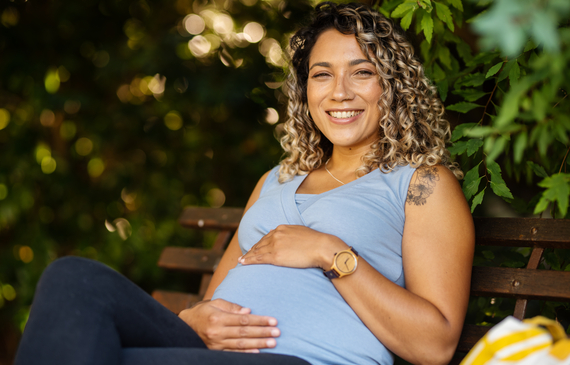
[[422, 322]]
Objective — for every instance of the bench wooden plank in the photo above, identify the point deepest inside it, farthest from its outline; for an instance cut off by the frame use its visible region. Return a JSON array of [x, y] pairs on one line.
[[187, 259], [470, 335], [211, 218], [522, 232], [175, 301], [521, 283]]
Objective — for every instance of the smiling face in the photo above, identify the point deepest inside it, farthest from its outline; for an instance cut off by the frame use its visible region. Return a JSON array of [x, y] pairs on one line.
[[343, 91]]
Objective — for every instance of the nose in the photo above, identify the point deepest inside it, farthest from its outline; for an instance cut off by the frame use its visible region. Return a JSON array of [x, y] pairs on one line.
[[342, 89]]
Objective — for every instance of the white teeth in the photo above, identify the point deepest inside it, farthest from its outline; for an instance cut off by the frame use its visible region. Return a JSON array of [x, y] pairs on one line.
[[344, 115]]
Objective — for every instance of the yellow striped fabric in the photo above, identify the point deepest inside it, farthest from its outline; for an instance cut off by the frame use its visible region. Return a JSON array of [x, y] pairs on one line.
[[538, 340]]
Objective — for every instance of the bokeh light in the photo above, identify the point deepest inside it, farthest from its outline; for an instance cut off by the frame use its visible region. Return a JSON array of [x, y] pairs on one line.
[[83, 146], [4, 118], [48, 165], [26, 255], [42, 151], [271, 116], [95, 167], [173, 120], [223, 24], [8, 291], [71, 106], [216, 198], [254, 32], [199, 46], [194, 24], [47, 118], [52, 81]]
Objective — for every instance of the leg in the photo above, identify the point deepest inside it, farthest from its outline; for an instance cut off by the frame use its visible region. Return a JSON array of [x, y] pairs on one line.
[[85, 313]]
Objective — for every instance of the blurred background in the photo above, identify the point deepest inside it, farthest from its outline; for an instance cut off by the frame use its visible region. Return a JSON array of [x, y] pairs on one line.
[[116, 114]]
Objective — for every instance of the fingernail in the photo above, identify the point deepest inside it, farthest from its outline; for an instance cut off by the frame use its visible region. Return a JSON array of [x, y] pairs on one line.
[[271, 343], [239, 258], [275, 332], [272, 322]]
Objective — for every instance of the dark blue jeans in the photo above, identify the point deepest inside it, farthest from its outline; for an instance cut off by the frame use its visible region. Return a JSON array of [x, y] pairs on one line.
[[85, 313]]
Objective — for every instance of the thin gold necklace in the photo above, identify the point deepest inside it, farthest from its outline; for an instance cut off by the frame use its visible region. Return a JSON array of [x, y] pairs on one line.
[[330, 173]]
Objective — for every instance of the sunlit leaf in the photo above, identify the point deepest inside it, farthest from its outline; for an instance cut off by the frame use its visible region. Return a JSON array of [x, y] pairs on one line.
[[427, 25], [557, 190], [473, 146], [478, 199], [519, 146], [463, 107], [404, 8], [456, 4], [493, 70], [444, 14], [460, 129], [471, 182]]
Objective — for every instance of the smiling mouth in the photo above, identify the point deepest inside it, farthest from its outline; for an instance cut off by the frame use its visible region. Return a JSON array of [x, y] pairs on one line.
[[345, 114]]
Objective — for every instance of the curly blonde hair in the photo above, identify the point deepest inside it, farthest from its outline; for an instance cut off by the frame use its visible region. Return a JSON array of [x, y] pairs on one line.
[[412, 128]]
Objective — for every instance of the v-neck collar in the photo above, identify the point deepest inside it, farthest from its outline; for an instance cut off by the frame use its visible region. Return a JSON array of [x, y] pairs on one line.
[[293, 212]]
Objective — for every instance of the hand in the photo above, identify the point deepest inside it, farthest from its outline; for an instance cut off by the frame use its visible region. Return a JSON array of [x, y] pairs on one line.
[[294, 246], [227, 326]]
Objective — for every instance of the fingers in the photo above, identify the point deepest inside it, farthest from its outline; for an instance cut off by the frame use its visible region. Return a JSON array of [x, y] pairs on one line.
[[249, 345], [229, 307]]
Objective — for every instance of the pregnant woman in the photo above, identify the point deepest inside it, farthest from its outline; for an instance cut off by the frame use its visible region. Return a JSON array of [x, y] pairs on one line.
[[357, 245]]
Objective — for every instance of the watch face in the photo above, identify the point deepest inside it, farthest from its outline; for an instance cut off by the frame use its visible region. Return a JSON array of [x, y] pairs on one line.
[[345, 262]]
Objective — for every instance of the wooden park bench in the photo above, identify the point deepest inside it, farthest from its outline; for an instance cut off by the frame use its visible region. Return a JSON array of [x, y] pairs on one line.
[[522, 284]]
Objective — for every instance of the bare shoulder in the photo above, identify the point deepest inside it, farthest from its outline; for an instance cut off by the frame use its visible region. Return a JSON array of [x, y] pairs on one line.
[[428, 181]]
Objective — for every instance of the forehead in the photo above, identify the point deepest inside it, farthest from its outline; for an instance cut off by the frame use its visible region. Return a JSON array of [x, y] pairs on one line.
[[333, 45]]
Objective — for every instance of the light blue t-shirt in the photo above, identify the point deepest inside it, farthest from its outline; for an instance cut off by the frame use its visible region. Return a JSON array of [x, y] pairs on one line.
[[316, 323]]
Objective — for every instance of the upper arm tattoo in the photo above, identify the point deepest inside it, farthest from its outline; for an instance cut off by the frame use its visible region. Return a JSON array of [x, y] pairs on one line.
[[422, 187]]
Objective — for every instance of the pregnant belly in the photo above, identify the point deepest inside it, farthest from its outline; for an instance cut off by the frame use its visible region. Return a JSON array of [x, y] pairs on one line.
[[310, 313]]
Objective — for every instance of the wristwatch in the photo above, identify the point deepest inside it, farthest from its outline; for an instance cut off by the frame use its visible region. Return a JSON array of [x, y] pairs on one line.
[[344, 263]]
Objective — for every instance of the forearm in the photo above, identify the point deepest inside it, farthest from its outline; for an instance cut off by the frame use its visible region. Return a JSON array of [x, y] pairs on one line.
[[405, 323]]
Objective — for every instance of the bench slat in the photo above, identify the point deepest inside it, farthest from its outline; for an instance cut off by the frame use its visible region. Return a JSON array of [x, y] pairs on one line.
[[175, 301], [522, 283], [522, 232], [196, 260], [211, 218], [470, 335]]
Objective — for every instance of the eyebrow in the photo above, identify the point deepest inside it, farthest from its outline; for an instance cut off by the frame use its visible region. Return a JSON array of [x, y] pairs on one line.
[[351, 63]]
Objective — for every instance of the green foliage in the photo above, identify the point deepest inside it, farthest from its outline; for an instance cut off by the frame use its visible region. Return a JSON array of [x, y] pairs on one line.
[[114, 116], [512, 112]]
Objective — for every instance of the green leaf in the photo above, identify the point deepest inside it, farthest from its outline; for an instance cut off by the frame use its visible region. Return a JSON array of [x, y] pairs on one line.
[[501, 190], [510, 107], [497, 148], [458, 148], [537, 169], [456, 4], [444, 14], [460, 129], [464, 51], [404, 8], [506, 70], [529, 46], [476, 79], [515, 73], [519, 146], [473, 146], [493, 70], [427, 26], [477, 200], [407, 20], [471, 182], [442, 87], [478, 132], [463, 107], [444, 56], [470, 94], [497, 183], [557, 190]]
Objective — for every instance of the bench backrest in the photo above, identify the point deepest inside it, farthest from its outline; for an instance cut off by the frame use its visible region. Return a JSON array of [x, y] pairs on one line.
[[519, 283]]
